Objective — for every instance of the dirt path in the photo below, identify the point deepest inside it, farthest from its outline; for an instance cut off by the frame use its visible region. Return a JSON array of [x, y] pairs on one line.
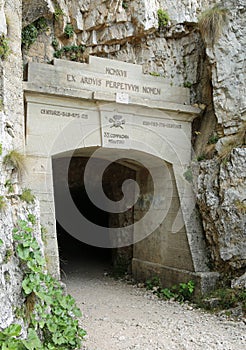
[[119, 316]]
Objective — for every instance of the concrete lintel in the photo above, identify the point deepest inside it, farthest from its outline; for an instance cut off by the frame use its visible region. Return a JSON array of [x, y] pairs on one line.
[[169, 276], [180, 110], [56, 91]]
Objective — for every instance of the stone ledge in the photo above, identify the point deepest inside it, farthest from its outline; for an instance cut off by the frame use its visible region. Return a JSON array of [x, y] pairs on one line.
[[169, 276]]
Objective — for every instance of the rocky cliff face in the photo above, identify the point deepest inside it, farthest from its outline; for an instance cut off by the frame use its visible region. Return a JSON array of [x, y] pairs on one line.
[[221, 181]]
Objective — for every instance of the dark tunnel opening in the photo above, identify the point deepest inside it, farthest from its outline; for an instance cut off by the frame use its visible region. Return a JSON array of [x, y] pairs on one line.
[[74, 253]]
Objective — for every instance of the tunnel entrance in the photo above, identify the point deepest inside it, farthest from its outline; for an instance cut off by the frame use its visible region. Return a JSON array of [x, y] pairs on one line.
[[73, 252]]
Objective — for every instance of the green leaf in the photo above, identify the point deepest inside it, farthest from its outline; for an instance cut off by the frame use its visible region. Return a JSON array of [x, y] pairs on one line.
[[23, 252], [1, 242], [13, 330], [27, 287], [77, 312], [33, 342]]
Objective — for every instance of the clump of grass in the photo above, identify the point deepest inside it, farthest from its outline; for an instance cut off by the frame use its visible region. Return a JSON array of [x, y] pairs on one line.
[[226, 298], [4, 47], [27, 196], [2, 203], [211, 23], [163, 18], [240, 205], [16, 160]]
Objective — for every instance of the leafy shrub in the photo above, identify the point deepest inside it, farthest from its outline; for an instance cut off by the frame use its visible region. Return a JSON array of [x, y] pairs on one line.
[[163, 18], [69, 31], [71, 52], [30, 32], [181, 292]]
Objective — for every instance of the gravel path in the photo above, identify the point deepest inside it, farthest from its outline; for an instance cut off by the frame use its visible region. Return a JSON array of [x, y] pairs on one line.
[[119, 316]]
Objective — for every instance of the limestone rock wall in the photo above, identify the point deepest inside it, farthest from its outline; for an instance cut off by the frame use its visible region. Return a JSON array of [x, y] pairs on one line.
[[12, 208], [221, 196], [11, 297], [227, 59], [221, 189]]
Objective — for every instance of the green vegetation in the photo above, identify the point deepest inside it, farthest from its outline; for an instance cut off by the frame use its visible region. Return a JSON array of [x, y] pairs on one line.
[[58, 13], [154, 74], [213, 139], [240, 205], [187, 84], [224, 299], [220, 299], [55, 43], [8, 184], [30, 33], [125, 5], [7, 276], [163, 18], [181, 292], [200, 157], [16, 160], [1, 242], [32, 219], [44, 232], [2, 203], [4, 47], [27, 196], [8, 255], [50, 315], [72, 52], [69, 31], [188, 175], [211, 23]]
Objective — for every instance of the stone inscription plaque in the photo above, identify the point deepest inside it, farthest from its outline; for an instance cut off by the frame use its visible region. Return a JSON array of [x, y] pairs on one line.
[[115, 130], [104, 75]]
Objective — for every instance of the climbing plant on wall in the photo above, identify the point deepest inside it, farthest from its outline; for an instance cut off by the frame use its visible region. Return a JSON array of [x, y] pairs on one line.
[[50, 314]]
